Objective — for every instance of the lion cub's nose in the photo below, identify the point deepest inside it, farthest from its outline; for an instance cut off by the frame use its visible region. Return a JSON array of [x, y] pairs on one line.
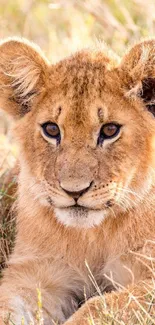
[[75, 194]]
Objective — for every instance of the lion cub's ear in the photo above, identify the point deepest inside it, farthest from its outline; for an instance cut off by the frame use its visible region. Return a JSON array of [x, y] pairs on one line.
[[23, 76], [138, 72]]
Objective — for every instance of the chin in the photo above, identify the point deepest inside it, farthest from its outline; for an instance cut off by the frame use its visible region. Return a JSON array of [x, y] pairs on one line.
[[79, 217]]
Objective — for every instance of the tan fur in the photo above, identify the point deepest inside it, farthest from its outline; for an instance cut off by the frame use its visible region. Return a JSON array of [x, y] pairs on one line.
[[57, 248]]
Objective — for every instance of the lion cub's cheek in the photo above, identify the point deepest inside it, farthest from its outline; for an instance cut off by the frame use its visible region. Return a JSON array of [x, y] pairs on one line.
[[80, 218]]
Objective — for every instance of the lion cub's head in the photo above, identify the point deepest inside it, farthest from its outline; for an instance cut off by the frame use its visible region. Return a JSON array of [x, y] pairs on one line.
[[85, 127]]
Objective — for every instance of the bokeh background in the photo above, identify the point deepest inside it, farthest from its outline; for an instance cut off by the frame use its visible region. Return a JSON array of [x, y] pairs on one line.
[[61, 27]]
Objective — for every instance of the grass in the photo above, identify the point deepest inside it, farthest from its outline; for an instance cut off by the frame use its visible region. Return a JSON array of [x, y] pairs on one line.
[[8, 154], [7, 220]]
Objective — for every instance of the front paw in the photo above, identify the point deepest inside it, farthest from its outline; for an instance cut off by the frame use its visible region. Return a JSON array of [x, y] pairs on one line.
[[88, 313], [116, 307]]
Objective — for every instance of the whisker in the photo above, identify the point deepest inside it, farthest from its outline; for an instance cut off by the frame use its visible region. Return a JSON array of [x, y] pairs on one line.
[[129, 191]]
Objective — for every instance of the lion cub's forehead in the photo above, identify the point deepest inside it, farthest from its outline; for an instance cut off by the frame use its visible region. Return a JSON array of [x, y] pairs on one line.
[[82, 74], [81, 91], [77, 85]]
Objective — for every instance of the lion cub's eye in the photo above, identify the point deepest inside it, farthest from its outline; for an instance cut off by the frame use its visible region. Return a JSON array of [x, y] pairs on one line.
[[108, 131], [51, 130]]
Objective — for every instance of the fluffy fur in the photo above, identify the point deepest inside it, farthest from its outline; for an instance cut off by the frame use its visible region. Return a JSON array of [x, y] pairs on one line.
[[59, 244]]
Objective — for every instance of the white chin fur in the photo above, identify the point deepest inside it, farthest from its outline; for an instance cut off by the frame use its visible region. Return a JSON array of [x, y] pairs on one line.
[[79, 218]]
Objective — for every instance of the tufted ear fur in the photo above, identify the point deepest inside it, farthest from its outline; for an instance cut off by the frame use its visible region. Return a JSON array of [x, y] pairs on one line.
[[23, 75], [138, 71]]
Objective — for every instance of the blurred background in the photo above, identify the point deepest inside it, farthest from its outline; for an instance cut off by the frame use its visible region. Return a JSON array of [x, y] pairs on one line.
[[63, 26]]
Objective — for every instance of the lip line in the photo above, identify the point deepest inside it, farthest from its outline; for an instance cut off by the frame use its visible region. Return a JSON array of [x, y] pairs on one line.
[[82, 207]]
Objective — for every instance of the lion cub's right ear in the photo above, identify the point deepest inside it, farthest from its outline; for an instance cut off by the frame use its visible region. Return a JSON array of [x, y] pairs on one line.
[[23, 76], [138, 73]]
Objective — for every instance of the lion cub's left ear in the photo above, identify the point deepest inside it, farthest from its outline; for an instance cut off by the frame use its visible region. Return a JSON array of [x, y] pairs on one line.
[[23, 76], [138, 72]]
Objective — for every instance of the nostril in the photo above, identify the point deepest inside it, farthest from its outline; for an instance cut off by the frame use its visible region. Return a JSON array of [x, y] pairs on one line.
[[76, 194]]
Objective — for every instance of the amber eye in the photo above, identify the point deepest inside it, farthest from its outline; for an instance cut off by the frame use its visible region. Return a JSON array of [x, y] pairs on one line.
[[51, 130], [108, 131]]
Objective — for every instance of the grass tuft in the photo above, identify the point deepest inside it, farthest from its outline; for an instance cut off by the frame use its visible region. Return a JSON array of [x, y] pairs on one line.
[[7, 220]]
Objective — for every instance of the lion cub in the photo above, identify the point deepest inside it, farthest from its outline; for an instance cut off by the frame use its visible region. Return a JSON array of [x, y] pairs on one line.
[[86, 131]]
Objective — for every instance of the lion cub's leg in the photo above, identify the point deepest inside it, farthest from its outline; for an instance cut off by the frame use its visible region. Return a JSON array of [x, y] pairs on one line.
[[116, 307], [136, 297], [19, 293]]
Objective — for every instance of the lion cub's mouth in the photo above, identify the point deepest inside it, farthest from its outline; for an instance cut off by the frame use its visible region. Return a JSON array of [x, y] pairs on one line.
[[80, 216], [77, 207]]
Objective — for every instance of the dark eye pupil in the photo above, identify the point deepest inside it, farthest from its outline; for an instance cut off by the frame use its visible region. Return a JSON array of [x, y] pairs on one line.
[[51, 130], [108, 131]]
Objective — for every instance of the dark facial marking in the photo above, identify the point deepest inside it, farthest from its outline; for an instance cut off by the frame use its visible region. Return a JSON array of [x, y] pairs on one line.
[[100, 115]]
